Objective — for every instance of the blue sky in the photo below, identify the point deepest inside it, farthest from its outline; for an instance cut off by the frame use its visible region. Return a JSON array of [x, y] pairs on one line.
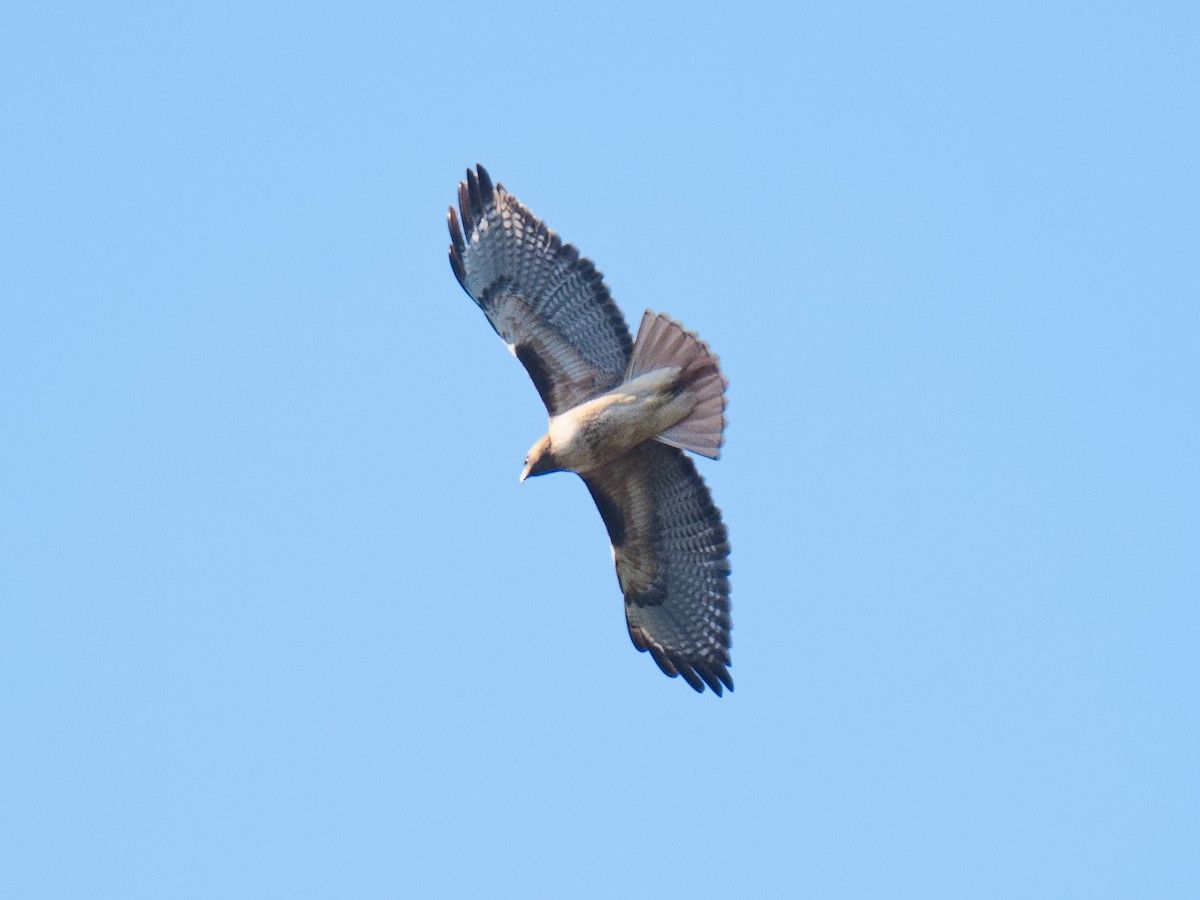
[[278, 619]]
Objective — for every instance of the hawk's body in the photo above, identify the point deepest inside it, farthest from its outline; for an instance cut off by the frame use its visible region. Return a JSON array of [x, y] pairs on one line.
[[619, 412], [598, 431]]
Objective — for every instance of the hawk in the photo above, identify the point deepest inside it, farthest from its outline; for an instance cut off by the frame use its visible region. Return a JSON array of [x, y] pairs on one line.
[[622, 413]]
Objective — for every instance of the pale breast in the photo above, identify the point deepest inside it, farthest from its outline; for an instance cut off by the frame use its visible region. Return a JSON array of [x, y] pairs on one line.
[[597, 431]]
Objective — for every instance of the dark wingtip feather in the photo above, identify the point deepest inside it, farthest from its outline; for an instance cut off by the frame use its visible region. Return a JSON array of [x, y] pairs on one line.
[[473, 198], [485, 183], [464, 208], [722, 673], [691, 677], [696, 672], [714, 674], [662, 658], [457, 248], [456, 234], [475, 194]]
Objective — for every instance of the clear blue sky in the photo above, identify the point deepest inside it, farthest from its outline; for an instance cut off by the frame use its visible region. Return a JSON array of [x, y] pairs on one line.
[[279, 621]]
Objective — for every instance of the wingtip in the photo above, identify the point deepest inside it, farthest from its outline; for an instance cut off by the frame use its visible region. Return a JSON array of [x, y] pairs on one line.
[[474, 201], [457, 247], [715, 676], [485, 181], [697, 672], [475, 193]]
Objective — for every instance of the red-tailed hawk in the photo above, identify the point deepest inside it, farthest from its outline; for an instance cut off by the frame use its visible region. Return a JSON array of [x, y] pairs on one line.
[[621, 415]]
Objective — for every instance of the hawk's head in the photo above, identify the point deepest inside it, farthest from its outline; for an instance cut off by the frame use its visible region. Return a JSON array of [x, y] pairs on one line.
[[540, 459]]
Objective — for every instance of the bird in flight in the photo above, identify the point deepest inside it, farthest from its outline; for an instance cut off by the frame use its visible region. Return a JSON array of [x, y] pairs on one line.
[[622, 413]]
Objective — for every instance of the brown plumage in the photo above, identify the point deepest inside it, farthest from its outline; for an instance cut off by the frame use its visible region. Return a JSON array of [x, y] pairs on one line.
[[621, 414]]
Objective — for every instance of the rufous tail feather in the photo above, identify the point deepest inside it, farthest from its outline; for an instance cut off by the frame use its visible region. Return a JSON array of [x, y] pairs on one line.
[[662, 342]]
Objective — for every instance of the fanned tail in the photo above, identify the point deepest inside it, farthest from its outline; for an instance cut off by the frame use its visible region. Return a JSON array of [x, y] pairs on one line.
[[662, 342]]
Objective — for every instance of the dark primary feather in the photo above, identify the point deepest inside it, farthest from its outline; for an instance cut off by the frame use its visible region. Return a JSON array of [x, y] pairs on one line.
[[545, 300], [672, 556]]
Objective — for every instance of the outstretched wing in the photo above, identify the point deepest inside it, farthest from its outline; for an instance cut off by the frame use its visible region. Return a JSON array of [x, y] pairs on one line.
[[548, 303], [672, 557]]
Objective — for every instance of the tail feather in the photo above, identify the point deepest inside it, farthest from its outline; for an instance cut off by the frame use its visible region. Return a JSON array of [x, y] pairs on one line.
[[662, 342]]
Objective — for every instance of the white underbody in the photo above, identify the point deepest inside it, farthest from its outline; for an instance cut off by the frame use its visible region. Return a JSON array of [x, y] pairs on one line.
[[599, 430]]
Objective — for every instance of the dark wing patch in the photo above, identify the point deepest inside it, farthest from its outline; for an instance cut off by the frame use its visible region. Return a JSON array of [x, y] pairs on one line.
[[610, 512], [672, 556], [542, 379], [549, 304]]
